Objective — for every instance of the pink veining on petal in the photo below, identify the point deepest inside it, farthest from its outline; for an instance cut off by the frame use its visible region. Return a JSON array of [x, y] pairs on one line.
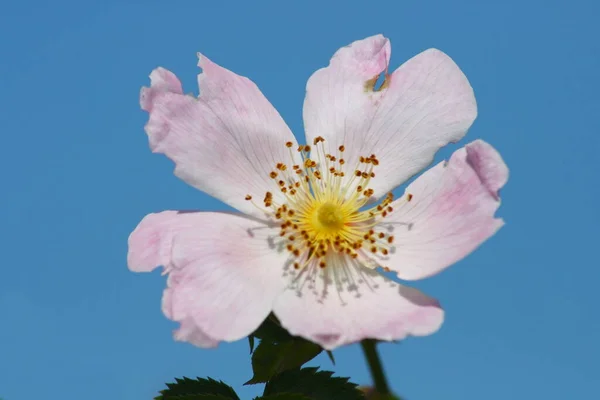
[[422, 106], [368, 57], [189, 332], [447, 212], [161, 80], [224, 271], [224, 142], [333, 311], [151, 242], [488, 165]]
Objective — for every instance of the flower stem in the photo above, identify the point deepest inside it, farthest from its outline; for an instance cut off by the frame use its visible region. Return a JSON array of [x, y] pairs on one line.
[[375, 366]]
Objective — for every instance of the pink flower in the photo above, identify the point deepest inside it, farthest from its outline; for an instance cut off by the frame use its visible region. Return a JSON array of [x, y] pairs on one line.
[[317, 220]]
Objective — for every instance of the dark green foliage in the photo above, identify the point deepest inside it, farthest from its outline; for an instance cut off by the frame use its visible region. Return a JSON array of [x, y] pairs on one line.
[[270, 358], [284, 396], [278, 351], [314, 384], [271, 330], [197, 389], [276, 361]]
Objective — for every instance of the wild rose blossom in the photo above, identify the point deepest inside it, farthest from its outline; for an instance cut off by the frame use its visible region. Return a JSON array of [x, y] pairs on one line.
[[317, 219]]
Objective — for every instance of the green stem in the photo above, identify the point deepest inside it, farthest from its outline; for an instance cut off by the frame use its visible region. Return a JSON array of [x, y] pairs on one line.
[[375, 366]]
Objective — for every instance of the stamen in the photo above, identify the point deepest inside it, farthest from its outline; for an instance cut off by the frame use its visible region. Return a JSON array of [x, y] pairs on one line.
[[320, 210]]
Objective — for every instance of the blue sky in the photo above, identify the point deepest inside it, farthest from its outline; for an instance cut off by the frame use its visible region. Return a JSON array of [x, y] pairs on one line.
[[77, 176]]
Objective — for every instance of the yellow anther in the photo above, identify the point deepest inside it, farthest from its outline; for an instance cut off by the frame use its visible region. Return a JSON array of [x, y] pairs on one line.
[[321, 215]]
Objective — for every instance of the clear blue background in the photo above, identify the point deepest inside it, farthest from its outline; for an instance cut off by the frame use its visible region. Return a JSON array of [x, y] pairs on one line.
[[77, 176]]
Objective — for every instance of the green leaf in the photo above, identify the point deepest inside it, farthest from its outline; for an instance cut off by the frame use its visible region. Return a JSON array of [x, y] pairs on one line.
[[272, 358], [270, 330], [284, 396], [251, 343], [193, 389], [316, 385], [330, 355], [278, 351]]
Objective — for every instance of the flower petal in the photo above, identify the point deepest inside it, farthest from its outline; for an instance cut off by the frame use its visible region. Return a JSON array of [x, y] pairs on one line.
[[190, 333], [336, 308], [422, 106], [225, 142], [451, 212], [224, 271]]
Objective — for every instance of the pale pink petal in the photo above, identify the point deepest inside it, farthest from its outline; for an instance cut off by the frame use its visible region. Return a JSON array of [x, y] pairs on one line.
[[450, 212], [488, 164], [423, 105], [151, 242], [225, 142], [342, 305], [224, 271], [190, 333]]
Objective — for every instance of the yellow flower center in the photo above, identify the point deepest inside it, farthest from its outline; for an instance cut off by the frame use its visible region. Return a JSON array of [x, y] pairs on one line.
[[328, 219], [322, 220]]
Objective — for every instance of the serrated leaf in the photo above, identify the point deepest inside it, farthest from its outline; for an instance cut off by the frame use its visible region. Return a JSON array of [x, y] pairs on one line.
[[184, 387], [284, 396], [271, 358], [316, 385]]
